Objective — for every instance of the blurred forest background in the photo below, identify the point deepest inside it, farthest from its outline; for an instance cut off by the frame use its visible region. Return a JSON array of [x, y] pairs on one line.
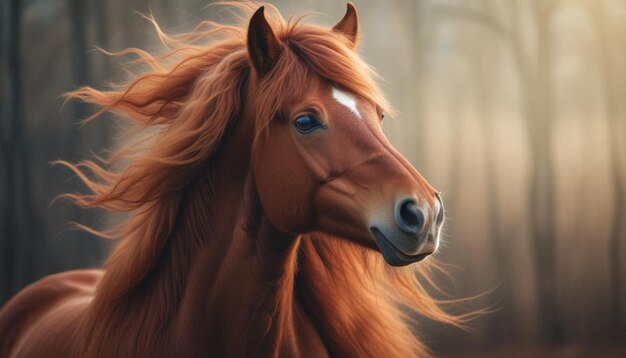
[[514, 109]]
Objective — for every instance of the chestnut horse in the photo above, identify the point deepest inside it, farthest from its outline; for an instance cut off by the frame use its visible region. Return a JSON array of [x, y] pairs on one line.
[[264, 209]]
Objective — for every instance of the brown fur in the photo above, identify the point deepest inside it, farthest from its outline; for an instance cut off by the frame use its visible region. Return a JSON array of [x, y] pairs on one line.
[[204, 264]]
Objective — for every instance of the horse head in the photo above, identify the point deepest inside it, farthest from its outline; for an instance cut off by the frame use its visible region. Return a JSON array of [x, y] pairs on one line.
[[321, 162]]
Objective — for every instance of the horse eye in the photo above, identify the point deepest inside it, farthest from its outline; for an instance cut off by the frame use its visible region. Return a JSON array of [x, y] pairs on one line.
[[306, 124]]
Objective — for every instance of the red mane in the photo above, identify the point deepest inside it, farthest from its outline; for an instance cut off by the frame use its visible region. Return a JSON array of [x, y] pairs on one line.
[[178, 110]]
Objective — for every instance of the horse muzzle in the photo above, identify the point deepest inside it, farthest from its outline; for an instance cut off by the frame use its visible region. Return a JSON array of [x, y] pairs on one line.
[[414, 233]]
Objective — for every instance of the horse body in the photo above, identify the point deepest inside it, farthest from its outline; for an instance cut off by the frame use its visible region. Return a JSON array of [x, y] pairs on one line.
[[259, 213], [44, 318]]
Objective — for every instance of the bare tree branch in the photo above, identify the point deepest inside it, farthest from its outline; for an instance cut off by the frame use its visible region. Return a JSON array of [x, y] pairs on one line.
[[477, 17], [510, 35]]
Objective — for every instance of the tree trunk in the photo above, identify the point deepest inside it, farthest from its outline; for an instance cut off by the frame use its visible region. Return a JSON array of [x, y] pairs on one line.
[[504, 319], [20, 212], [540, 113], [413, 22], [615, 129], [80, 68], [542, 215]]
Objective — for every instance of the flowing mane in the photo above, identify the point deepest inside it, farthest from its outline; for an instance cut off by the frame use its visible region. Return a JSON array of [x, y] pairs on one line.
[[178, 110]]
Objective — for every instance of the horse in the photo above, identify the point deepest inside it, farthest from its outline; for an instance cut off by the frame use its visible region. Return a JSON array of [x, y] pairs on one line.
[[266, 213]]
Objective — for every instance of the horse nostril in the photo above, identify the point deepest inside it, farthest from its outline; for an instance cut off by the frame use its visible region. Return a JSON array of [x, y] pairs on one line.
[[409, 217], [410, 214]]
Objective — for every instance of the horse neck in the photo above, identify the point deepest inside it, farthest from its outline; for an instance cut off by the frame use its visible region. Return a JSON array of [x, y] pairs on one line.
[[240, 278]]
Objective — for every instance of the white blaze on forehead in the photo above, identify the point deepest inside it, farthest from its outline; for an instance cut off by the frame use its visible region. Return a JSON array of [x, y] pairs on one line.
[[347, 101]]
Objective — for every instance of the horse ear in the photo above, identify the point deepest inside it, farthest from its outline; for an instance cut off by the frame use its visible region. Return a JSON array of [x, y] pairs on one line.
[[349, 25], [263, 45]]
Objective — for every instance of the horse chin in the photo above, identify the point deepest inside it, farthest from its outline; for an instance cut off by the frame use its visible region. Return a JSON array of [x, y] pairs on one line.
[[392, 255]]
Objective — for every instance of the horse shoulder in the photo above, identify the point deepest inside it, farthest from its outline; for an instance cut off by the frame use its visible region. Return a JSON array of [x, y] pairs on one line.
[[51, 305]]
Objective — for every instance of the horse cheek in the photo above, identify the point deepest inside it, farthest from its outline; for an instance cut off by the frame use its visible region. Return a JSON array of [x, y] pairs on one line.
[[284, 188]]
